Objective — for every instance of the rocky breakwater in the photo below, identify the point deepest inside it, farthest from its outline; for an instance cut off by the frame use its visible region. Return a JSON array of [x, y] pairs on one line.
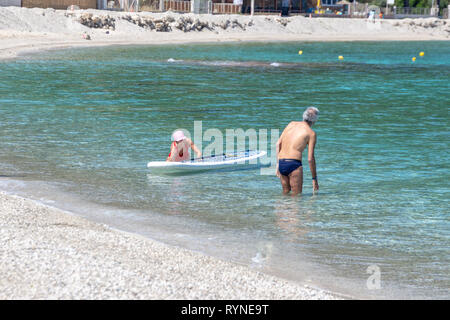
[[183, 23], [91, 20], [423, 24], [159, 24]]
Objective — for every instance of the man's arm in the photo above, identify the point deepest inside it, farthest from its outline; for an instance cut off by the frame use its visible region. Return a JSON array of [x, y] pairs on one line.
[[278, 148], [312, 160]]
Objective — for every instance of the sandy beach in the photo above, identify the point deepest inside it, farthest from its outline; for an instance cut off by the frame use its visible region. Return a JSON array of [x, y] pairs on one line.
[[49, 254], [26, 30]]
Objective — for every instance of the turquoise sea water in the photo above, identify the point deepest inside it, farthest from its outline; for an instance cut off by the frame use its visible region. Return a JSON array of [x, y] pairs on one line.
[[77, 128]]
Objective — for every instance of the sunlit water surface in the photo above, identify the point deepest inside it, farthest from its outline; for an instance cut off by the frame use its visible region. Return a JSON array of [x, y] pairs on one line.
[[77, 128]]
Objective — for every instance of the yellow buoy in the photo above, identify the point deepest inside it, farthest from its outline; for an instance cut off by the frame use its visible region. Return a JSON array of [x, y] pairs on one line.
[[341, 58], [422, 54], [300, 52], [413, 59]]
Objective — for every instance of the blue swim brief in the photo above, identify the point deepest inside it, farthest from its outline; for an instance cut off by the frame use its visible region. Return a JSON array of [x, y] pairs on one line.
[[286, 166]]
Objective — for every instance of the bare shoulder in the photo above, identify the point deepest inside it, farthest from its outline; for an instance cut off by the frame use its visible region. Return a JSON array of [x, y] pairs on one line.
[[294, 124], [290, 124], [288, 127]]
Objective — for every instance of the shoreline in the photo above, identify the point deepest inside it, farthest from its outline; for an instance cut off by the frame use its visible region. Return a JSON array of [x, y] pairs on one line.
[[29, 31], [22, 51], [49, 253]]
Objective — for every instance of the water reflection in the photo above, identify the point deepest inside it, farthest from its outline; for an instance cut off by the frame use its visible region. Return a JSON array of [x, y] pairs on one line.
[[293, 214], [172, 190]]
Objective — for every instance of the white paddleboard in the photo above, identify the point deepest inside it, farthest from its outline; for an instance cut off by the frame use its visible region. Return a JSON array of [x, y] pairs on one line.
[[236, 161]]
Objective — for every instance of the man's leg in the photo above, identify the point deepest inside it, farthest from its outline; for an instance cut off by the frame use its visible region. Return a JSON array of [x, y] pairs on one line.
[[285, 184], [296, 180]]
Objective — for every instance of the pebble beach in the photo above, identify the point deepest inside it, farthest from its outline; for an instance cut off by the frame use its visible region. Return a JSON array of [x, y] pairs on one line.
[[50, 254]]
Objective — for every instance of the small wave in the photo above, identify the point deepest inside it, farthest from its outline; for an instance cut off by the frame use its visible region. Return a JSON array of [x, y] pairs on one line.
[[221, 63], [173, 60], [258, 258], [245, 64]]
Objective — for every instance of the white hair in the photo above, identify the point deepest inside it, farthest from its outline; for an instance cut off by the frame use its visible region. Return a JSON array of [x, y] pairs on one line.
[[311, 114]]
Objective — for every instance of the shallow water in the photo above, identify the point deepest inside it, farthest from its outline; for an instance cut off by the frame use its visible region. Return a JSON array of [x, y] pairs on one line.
[[78, 127]]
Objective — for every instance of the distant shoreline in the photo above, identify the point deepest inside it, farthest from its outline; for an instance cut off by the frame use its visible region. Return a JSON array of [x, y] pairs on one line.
[[19, 50], [32, 30]]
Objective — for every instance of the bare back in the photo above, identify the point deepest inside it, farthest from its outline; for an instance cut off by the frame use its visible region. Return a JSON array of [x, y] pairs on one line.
[[294, 140]]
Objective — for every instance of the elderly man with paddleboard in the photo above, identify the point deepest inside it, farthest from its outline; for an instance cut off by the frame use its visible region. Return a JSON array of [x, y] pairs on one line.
[[294, 139], [179, 150]]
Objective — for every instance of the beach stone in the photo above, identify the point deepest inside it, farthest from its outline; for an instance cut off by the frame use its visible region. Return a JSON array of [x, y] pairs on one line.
[[224, 24], [283, 22], [150, 24], [197, 25], [162, 26], [86, 16], [236, 24]]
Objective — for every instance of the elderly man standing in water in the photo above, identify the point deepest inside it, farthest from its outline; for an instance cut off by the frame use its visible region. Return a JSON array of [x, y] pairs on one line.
[[294, 139]]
